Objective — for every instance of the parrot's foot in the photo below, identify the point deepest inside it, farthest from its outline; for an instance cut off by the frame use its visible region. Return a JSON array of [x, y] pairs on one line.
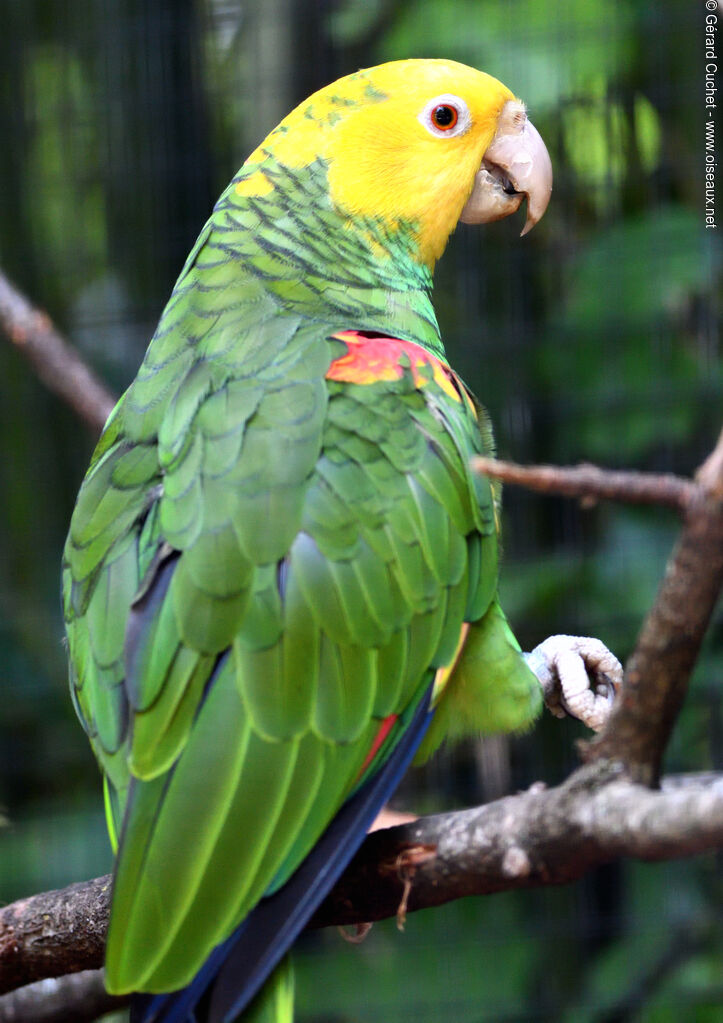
[[579, 676]]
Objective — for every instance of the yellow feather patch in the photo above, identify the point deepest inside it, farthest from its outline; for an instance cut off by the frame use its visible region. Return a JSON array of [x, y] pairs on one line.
[[256, 183], [304, 134]]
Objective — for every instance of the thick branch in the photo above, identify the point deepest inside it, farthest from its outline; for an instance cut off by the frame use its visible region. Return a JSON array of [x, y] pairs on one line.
[[59, 367], [540, 837], [54, 933]]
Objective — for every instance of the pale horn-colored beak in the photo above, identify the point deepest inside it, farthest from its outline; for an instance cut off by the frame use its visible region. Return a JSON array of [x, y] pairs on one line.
[[516, 165]]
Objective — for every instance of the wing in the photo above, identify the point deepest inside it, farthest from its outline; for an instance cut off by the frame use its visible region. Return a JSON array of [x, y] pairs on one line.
[[256, 604]]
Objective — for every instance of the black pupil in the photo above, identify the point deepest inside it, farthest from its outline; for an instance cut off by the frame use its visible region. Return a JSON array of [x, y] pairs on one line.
[[443, 116]]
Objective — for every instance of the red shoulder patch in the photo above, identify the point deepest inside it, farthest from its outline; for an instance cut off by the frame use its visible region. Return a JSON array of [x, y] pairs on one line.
[[371, 359]]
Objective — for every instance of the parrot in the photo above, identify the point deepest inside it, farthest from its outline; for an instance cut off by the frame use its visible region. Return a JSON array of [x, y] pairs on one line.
[[280, 577]]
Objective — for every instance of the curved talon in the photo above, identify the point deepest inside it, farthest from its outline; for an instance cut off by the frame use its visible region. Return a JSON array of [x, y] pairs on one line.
[[579, 676]]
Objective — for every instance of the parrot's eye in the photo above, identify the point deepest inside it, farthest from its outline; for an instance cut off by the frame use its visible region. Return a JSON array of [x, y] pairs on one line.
[[446, 116]]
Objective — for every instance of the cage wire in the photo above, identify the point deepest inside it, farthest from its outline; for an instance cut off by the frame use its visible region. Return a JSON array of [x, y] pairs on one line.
[[596, 338]]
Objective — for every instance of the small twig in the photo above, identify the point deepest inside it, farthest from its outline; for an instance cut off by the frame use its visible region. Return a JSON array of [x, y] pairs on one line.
[[405, 867], [590, 484], [357, 935], [57, 364]]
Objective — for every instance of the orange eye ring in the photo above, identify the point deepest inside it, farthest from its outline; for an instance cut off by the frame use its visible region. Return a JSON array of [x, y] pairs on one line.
[[444, 117]]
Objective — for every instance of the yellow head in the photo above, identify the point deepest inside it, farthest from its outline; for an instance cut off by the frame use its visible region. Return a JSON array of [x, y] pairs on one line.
[[411, 141]]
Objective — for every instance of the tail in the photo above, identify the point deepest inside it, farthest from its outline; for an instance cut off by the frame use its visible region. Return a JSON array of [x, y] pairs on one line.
[[235, 971], [273, 1004]]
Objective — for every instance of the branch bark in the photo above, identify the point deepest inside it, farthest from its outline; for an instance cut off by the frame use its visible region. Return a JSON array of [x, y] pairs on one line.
[[57, 364], [54, 933], [539, 837]]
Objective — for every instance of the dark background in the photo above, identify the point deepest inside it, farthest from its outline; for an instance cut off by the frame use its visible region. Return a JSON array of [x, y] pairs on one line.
[[595, 338]]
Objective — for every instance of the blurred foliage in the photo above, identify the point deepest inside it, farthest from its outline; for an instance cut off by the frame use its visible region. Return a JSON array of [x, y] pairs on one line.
[[651, 263], [595, 338]]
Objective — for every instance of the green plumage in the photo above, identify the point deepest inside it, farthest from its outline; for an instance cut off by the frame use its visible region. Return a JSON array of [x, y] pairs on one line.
[[264, 563]]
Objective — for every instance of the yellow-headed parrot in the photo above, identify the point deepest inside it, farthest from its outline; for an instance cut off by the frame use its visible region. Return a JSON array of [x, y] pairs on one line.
[[281, 571]]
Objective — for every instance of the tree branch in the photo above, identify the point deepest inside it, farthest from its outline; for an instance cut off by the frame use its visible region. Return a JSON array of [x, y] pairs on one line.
[[57, 364], [77, 998], [591, 484], [54, 933], [539, 837]]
